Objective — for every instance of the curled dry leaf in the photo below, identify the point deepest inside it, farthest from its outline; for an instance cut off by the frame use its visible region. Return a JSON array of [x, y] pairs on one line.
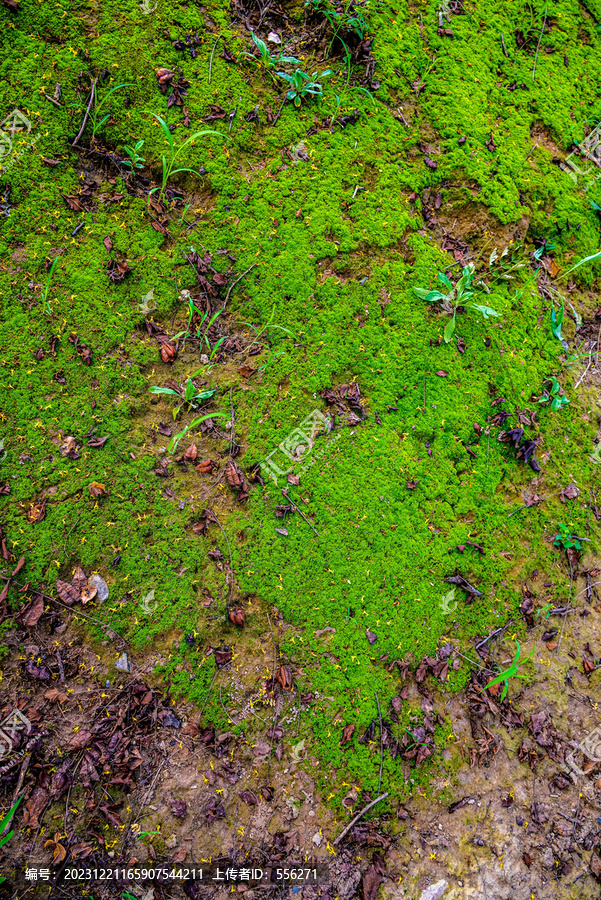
[[30, 614], [179, 808], [347, 734], [191, 453], [67, 592], [206, 467], [69, 448], [237, 617], [37, 512], [168, 350], [97, 490], [88, 594], [79, 580], [284, 676], [58, 851], [34, 807], [248, 797]]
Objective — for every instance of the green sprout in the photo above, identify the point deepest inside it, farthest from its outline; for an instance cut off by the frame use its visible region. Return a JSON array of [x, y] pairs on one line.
[[190, 395], [135, 161], [3, 824], [170, 161], [551, 394], [303, 85], [455, 297], [511, 672], [46, 288], [266, 60], [564, 538]]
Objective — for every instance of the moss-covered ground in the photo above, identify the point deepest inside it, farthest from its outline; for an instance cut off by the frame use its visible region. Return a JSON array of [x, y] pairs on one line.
[[455, 146]]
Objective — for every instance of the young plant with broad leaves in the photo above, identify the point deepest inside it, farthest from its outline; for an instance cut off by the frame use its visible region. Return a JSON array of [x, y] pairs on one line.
[[303, 86], [267, 61], [456, 296], [189, 395], [551, 396], [511, 672]]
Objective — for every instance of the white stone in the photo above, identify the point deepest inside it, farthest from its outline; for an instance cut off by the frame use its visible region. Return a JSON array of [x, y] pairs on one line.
[[435, 891]]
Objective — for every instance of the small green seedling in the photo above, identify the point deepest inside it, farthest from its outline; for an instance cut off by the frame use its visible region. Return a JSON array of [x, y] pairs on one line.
[[173, 445], [46, 287], [566, 539], [557, 316], [190, 395], [266, 60], [135, 161], [511, 672], [3, 824], [303, 85], [455, 297], [170, 161], [551, 394], [545, 609], [95, 122]]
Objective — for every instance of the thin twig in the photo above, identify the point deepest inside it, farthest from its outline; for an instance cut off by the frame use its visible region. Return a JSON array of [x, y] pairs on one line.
[[231, 287], [493, 634], [528, 505], [227, 608], [208, 694], [233, 429], [279, 112], [60, 666], [76, 612], [86, 114], [211, 60], [381, 744], [540, 37], [481, 879], [359, 816], [292, 503], [52, 100]]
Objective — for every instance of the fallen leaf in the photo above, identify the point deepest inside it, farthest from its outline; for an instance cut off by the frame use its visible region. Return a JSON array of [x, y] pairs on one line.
[[108, 243], [179, 808], [31, 614], [97, 490], [54, 695], [237, 617], [34, 808], [180, 855], [347, 733], [246, 371], [67, 592], [441, 373], [98, 441], [88, 593], [371, 637], [79, 580], [284, 677], [371, 882], [39, 672], [411, 485], [69, 448], [191, 453], [206, 467], [37, 512], [248, 798]]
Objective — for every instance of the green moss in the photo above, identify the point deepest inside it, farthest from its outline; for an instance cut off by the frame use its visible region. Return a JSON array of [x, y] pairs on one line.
[[338, 242]]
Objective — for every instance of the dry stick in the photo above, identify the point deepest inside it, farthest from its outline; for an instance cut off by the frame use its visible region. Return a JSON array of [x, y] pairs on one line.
[[60, 666], [211, 60], [208, 695], [480, 874], [292, 503], [86, 114], [527, 505], [278, 113], [231, 563], [381, 744], [233, 431], [540, 37], [77, 612], [231, 288], [359, 816]]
